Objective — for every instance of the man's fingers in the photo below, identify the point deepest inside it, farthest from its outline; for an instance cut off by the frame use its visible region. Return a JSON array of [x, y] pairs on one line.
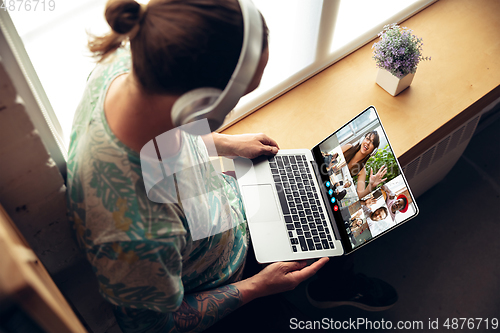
[[309, 271], [268, 150], [319, 263], [292, 266], [268, 141]]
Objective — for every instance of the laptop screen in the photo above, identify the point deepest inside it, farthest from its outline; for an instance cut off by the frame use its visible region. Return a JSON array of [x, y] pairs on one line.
[[365, 186]]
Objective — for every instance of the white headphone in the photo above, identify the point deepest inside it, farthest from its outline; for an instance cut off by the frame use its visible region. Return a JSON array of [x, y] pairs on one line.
[[212, 103]]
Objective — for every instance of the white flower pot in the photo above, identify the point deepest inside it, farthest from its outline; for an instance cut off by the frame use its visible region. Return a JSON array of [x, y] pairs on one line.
[[391, 83]]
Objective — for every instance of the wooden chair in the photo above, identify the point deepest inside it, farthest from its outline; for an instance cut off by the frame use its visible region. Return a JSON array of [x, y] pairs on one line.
[[25, 282]]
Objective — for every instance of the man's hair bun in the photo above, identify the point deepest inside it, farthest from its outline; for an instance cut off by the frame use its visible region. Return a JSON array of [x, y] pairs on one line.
[[176, 45], [123, 15]]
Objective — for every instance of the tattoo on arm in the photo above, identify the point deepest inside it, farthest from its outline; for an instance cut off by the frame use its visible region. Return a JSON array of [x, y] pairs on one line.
[[197, 312], [201, 310]]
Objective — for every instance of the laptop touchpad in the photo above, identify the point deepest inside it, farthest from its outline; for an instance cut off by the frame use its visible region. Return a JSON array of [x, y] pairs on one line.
[[260, 203]]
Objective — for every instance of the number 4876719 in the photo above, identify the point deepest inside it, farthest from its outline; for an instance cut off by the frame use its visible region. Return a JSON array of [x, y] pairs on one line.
[[27, 5], [471, 323]]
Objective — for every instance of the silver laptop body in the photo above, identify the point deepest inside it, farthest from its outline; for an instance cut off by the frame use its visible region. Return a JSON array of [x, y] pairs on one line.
[[324, 224], [266, 219]]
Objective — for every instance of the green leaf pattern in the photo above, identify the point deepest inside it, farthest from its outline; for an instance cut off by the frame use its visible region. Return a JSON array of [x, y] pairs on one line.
[[142, 252]]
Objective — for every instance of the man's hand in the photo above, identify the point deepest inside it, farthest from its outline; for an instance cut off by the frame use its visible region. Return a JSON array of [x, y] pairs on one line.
[[283, 276], [245, 145]]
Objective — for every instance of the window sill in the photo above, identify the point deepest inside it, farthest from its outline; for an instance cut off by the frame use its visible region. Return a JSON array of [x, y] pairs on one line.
[[462, 78]]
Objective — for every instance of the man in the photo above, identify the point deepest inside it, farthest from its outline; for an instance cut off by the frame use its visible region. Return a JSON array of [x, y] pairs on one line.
[[395, 205]]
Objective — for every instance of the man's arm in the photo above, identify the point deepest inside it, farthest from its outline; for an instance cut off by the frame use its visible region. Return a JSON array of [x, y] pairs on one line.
[[244, 145], [198, 311]]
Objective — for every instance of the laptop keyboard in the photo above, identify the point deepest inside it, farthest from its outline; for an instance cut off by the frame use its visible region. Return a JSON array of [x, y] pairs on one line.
[[304, 217]]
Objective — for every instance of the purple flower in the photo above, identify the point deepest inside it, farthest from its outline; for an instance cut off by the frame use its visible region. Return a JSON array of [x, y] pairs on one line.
[[398, 50]]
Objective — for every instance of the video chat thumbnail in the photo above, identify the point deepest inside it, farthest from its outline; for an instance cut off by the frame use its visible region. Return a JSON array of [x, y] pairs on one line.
[[365, 179]]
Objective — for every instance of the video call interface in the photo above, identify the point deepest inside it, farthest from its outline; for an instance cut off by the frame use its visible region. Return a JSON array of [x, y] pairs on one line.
[[363, 180]]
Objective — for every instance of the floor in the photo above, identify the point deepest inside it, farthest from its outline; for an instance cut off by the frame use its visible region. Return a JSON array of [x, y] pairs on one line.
[[445, 262]]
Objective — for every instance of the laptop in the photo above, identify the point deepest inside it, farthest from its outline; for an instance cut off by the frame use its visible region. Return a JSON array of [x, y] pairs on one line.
[[305, 204]]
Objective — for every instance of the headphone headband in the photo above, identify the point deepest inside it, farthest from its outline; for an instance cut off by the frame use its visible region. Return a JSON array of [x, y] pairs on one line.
[[212, 103]]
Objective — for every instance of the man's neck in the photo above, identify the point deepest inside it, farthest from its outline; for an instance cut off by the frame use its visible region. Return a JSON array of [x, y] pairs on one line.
[[136, 117]]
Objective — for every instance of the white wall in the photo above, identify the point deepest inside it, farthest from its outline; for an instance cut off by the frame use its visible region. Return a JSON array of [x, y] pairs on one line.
[[33, 193]]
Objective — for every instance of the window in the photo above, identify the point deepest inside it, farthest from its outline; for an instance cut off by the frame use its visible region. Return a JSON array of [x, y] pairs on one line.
[[56, 44], [305, 37], [308, 36], [355, 130]]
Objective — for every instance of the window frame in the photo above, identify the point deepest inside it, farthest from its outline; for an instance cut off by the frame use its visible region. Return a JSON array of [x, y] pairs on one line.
[[29, 88], [39, 108], [324, 58]]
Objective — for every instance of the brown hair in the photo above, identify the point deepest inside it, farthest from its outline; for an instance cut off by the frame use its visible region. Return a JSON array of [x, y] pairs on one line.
[[176, 45], [349, 154], [386, 212]]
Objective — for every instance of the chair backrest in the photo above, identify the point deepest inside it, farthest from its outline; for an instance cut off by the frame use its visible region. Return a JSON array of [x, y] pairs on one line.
[[26, 282]]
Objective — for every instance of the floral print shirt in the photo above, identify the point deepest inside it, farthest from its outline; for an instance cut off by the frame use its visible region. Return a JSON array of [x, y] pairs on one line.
[[142, 251]]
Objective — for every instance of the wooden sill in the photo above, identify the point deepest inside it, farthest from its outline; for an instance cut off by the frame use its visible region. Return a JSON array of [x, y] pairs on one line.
[[462, 78]]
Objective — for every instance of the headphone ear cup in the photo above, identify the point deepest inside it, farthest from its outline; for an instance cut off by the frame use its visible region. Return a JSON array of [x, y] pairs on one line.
[[213, 104], [194, 105]]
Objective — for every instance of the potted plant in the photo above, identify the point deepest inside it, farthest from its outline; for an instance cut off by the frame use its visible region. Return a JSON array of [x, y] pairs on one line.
[[397, 55]]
